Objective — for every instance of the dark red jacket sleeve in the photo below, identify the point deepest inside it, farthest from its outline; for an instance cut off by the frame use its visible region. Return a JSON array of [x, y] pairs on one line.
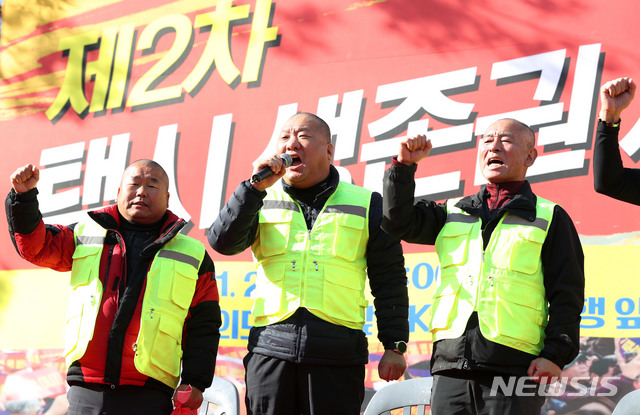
[[50, 246]]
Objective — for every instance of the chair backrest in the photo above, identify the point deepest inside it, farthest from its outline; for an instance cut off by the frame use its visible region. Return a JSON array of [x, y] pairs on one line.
[[222, 393], [403, 394], [629, 404]]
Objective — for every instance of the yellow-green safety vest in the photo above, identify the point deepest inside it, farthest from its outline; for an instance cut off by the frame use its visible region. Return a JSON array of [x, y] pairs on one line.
[[171, 283], [322, 269], [504, 283]]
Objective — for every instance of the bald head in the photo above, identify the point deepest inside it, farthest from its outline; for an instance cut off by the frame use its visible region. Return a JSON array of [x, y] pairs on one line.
[[160, 176], [506, 151], [321, 125], [143, 195], [307, 139], [524, 130]]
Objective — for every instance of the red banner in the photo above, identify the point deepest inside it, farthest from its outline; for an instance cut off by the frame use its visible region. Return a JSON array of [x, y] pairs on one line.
[[203, 87]]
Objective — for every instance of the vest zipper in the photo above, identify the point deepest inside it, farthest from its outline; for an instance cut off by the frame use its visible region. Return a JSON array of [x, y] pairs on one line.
[[497, 198], [477, 286], [123, 279], [107, 269], [304, 269], [489, 277]]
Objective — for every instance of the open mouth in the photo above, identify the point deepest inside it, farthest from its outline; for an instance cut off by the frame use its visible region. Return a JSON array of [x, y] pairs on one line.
[[495, 162], [296, 161]]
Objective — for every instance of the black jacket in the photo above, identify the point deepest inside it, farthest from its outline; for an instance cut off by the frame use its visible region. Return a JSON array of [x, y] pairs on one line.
[[304, 337], [562, 261], [609, 175]]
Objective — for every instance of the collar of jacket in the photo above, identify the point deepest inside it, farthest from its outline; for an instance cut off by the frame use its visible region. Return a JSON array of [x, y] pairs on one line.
[[523, 203], [109, 219], [322, 190]]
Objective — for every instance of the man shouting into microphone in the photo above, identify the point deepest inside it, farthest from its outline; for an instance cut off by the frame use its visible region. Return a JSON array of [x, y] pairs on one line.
[[315, 239]]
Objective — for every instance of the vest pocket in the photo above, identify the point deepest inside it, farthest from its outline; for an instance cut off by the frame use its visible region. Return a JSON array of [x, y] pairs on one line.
[[274, 231], [349, 233], [86, 262], [342, 297], [452, 243], [183, 284], [519, 313], [445, 300], [273, 238], [175, 282], [525, 250], [166, 352]]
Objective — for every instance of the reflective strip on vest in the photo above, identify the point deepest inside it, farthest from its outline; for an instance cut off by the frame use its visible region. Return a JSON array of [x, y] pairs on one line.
[[89, 240], [504, 283], [171, 283], [458, 217], [180, 257], [351, 210], [281, 204], [539, 223], [322, 269]]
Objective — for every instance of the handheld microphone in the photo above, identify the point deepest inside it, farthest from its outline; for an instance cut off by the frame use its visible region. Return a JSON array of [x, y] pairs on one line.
[[267, 172]]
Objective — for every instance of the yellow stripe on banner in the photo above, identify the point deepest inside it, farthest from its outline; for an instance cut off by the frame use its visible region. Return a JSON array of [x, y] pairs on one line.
[[612, 303], [33, 302], [23, 50], [25, 16], [22, 17], [33, 305], [612, 299]]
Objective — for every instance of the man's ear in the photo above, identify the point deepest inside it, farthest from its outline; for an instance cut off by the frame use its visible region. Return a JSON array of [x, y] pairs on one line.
[[330, 152], [168, 200], [532, 155]]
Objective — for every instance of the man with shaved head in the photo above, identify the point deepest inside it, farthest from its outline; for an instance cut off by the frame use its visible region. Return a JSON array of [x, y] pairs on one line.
[[143, 316], [511, 290], [316, 240]]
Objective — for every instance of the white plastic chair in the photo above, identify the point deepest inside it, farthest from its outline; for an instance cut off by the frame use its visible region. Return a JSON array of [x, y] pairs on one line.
[[403, 394], [629, 404], [224, 395]]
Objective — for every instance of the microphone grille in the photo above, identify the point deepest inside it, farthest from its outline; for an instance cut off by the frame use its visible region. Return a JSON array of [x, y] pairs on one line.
[[286, 158]]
